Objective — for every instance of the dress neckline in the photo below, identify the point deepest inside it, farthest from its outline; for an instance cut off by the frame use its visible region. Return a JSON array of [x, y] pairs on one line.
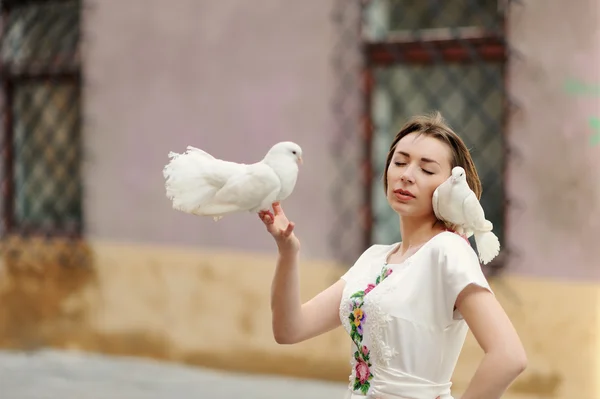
[[419, 248]]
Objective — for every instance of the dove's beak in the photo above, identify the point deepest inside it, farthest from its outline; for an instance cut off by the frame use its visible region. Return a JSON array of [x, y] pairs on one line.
[[300, 161]]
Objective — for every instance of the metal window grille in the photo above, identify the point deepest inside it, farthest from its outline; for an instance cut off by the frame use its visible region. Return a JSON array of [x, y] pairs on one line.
[[40, 78], [401, 58], [41, 108]]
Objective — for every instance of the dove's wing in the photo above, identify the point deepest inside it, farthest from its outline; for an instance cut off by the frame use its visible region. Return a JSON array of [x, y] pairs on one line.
[[443, 203], [257, 186], [218, 172], [474, 214]]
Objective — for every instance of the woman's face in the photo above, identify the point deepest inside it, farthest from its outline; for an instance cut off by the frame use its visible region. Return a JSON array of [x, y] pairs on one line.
[[419, 165]]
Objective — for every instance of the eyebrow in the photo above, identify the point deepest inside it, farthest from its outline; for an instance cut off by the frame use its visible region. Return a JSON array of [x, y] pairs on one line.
[[427, 160]]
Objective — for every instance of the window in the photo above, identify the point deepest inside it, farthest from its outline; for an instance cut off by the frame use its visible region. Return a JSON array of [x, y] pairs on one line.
[[41, 109], [428, 55]]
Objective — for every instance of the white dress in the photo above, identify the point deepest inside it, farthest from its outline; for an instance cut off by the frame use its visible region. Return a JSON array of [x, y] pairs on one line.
[[406, 334]]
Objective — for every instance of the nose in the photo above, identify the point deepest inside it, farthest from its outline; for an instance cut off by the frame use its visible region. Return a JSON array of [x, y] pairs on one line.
[[407, 175], [406, 178]]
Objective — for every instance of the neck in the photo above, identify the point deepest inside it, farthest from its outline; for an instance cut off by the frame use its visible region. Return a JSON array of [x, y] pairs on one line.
[[417, 231]]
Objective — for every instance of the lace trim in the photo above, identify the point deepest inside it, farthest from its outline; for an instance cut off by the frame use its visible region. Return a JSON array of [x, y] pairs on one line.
[[378, 322]]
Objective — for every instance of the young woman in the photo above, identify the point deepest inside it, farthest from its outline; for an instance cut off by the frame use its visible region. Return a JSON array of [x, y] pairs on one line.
[[406, 307]]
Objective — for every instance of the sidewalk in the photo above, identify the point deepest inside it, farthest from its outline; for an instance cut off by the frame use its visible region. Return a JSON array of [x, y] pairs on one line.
[[65, 375]]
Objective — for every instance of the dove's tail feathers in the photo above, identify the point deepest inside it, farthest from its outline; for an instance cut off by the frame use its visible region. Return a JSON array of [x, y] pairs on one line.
[[192, 179], [191, 150], [188, 181], [189, 200], [198, 151], [173, 155], [488, 245], [217, 211]]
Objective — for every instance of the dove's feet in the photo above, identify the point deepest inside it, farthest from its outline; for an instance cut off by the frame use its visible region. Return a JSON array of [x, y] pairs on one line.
[[262, 215]]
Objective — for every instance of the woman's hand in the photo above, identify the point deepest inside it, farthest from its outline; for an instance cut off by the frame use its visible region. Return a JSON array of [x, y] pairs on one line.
[[281, 229]]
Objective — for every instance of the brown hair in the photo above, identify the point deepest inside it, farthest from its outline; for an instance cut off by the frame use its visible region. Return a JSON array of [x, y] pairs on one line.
[[434, 125]]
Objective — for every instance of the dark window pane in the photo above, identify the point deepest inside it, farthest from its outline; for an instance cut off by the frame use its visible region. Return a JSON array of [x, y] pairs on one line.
[[41, 33], [470, 97], [47, 155], [384, 18]]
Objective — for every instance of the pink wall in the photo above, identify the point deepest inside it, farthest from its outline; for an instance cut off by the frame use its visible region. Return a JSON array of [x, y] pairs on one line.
[[557, 84], [227, 76], [233, 78]]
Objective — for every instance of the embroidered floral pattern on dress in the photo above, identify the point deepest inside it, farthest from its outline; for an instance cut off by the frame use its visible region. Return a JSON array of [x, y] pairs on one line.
[[357, 317], [378, 319]]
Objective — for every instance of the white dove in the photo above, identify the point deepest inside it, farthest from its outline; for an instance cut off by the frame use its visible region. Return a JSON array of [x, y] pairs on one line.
[[200, 184], [454, 202]]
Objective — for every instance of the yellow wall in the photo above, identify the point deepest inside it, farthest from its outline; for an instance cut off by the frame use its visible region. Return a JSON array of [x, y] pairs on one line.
[[212, 309]]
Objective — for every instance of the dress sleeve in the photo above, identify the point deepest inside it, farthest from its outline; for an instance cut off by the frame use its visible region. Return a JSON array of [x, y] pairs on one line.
[[358, 266], [460, 268], [349, 273]]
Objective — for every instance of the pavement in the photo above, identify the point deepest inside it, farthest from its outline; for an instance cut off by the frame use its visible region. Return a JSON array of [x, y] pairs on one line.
[[50, 374]]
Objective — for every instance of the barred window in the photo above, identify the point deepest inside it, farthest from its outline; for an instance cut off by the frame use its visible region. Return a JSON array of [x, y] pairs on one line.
[[42, 117], [435, 55]]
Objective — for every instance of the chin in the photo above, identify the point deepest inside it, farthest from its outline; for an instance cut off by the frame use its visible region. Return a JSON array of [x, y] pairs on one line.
[[409, 209], [403, 209]]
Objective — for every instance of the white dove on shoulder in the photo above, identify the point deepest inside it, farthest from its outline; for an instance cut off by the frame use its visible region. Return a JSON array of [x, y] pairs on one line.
[[456, 204]]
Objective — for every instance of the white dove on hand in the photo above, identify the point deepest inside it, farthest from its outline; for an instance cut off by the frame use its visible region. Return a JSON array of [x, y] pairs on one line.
[[454, 202], [200, 184]]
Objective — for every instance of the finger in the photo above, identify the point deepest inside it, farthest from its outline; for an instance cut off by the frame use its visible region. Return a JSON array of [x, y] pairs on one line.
[[261, 216], [277, 208], [268, 219], [289, 229], [274, 231], [271, 227]]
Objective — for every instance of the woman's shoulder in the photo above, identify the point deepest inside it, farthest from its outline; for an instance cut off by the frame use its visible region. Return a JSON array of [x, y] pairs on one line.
[[449, 244]]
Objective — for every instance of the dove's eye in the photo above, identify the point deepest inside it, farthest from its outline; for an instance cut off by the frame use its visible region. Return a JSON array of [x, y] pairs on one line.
[[294, 152]]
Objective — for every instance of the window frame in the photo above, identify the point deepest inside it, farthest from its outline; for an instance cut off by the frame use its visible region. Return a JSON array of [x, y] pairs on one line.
[[61, 69], [399, 49]]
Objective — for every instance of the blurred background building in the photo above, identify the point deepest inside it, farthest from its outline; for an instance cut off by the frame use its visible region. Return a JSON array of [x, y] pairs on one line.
[[95, 93]]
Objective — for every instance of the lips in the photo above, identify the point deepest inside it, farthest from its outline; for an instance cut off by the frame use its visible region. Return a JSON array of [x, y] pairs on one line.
[[404, 193]]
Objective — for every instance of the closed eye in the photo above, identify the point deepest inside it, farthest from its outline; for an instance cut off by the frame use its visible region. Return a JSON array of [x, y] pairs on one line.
[[403, 163]]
